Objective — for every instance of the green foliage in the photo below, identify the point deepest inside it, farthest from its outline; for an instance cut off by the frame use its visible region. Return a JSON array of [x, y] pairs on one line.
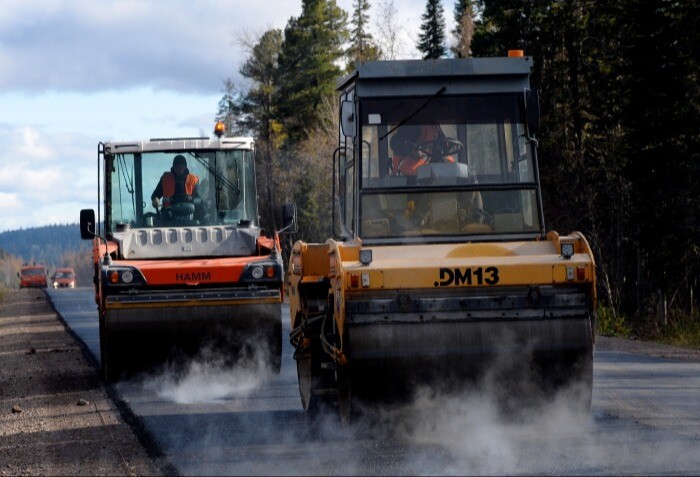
[[53, 245], [618, 146], [228, 109], [258, 115], [45, 245], [432, 37], [611, 324], [308, 70], [257, 108], [362, 45], [682, 330]]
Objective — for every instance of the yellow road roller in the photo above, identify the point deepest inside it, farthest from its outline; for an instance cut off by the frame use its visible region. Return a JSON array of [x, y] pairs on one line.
[[440, 266]]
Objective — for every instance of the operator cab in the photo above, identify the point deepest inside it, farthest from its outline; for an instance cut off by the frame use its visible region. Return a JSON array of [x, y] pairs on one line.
[[438, 160], [216, 215]]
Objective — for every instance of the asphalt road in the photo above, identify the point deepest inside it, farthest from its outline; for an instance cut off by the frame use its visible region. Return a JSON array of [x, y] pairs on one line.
[[645, 419]]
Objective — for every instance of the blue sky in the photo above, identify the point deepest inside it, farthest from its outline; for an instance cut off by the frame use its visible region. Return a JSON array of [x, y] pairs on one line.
[[77, 72]]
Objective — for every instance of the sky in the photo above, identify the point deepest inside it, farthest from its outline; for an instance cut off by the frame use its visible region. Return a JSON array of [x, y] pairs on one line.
[[74, 73]]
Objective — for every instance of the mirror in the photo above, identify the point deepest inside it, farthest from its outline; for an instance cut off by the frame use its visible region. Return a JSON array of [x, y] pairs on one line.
[[289, 218], [347, 118], [532, 111], [87, 224]]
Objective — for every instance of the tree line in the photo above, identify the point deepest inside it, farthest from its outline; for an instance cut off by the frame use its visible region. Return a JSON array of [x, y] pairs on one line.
[[619, 139], [53, 246]]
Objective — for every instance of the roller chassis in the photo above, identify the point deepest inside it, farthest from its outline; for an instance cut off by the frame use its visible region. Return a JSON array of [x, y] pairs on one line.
[[202, 283], [442, 302]]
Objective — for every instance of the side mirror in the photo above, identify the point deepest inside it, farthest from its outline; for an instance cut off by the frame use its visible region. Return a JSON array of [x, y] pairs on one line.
[[87, 224], [347, 118], [532, 111], [289, 218]]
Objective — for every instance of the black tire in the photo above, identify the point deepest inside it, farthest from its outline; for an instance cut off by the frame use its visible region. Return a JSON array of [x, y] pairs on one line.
[[275, 344], [108, 362]]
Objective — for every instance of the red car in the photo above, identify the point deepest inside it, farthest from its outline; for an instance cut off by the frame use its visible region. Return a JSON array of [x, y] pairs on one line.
[[32, 276], [64, 278]]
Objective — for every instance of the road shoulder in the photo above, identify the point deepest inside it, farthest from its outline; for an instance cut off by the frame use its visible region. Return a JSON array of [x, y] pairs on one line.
[[648, 348], [56, 416]]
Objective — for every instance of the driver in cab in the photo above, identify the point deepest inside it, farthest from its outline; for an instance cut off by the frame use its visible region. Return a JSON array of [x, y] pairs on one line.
[[176, 185], [413, 147]]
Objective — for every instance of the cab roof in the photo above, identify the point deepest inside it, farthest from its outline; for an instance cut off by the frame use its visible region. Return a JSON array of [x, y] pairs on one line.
[[180, 144], [426, 77]]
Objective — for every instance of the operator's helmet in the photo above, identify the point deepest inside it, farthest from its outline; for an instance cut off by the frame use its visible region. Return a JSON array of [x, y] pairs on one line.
[[405, 140], [179, 160], [409, 136]]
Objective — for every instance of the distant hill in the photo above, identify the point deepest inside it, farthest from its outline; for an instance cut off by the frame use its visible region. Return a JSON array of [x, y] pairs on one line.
[[48, 245]]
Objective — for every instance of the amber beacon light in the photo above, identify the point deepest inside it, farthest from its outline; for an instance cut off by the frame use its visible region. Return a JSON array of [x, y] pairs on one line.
[[219, 129]]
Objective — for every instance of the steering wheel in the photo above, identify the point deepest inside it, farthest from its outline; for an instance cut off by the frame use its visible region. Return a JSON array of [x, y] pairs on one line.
[[477, 215], [439, 148]]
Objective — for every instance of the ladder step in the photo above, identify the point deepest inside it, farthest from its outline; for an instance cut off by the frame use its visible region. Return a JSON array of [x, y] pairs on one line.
[[324, 392]]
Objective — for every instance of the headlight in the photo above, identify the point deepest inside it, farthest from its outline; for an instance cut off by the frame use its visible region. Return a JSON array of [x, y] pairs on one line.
[[567, 250], [257, 273], [119, 275]]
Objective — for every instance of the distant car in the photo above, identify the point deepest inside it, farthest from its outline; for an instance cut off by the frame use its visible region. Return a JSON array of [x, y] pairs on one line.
[[32, 276], [64, 278]]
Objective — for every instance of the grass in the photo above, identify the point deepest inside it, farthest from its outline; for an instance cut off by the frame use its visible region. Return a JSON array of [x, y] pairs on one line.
[[680, 330], [611, 324]]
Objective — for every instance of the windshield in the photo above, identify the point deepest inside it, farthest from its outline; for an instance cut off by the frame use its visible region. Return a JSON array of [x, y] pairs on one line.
[[64, 275], [33, 272], [211, 188], [446, 166]]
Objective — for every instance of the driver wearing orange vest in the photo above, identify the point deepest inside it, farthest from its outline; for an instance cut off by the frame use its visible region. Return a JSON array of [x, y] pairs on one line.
[[177, 185], [412, 146]]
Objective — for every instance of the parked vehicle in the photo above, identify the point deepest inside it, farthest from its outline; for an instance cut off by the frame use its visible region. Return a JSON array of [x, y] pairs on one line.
[[32, 276], [64, 278]]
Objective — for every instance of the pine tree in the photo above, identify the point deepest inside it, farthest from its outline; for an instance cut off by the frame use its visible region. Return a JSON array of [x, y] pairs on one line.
[[259, 115], [228, 109], [362, 45], [313, 44], [257, 105], [432, 37]]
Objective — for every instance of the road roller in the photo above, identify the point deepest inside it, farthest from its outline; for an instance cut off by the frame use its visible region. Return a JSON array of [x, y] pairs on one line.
[[182, 268], [440, 268]]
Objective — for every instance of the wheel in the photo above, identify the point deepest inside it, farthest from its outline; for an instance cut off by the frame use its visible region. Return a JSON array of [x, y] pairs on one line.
[[343, 384], [346, 410], [315, 374], [275, 346], [316, 387], [440, 148], [108, 360]]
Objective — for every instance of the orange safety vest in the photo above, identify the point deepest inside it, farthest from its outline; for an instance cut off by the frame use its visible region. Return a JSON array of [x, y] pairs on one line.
[[168, 181], [408, 165]]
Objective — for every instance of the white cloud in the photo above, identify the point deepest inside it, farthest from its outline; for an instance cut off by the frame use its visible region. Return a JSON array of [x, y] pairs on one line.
[[77, 72]]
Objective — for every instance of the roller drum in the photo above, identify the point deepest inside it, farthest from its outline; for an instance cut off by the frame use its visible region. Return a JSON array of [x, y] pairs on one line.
[[138, 336], [395, 344]]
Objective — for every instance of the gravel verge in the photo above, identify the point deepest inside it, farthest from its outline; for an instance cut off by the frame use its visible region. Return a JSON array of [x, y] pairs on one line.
[[56, 415], [648, 348]]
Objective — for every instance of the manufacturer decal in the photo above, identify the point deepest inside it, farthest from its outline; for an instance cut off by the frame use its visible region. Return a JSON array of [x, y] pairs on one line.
[[193, 277], [468, 276]]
